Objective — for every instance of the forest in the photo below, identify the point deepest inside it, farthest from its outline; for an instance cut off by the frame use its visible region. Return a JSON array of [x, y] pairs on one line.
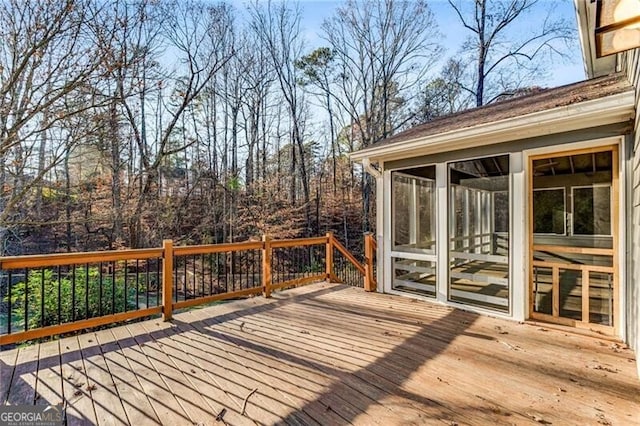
[[126, 122]]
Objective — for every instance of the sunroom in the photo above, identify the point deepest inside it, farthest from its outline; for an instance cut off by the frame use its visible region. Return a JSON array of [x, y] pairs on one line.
[[515, 209]]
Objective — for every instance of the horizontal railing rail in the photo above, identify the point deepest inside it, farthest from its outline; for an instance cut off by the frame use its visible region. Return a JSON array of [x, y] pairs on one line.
[[216, 248], [62, 259], [45, 295]]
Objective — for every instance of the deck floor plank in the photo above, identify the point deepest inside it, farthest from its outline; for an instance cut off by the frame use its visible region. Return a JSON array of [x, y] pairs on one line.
[[8, 360], [510, 363], [189, 358], [238, 380], [270, 371], [78, 402], [174, 378], [330, 354], [100, 385], [49, 385], [421, 347], [135, 403], [355, 386], [267, 370], [23, 382], [163, 401], [373, 366]]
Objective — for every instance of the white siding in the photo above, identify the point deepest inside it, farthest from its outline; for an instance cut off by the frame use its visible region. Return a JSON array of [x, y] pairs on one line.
[[632, 66]]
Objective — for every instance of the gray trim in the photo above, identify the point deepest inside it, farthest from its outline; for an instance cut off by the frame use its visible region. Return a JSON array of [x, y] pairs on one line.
[[629, 335], [514, 146]]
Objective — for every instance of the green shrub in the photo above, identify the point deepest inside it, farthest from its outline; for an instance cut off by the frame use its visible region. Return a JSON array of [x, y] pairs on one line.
[[72, 299]]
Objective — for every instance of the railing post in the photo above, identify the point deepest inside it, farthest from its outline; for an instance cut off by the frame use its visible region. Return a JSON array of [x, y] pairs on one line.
[[167, 279], [266, 266], [368, 263], [329, 256]]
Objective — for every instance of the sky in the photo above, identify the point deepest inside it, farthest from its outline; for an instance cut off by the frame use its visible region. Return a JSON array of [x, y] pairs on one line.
[[562, 72]]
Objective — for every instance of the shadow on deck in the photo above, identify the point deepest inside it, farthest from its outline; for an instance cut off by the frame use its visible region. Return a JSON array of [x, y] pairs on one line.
[[327, 354]]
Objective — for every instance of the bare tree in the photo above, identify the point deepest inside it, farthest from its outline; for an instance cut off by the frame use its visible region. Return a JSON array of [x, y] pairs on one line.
[[128, 121], [278, 28], [504, 56], [188, 27], [318, 74], [46, 64], [127, 37], [382, 51]]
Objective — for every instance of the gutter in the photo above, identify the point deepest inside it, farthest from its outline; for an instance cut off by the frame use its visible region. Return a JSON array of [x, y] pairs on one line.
[[612, 109], [586, 19], [370, 168], [582, 17]]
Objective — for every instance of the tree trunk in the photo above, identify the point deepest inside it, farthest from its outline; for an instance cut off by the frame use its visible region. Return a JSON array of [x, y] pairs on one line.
[[116, 185], [482, 52]]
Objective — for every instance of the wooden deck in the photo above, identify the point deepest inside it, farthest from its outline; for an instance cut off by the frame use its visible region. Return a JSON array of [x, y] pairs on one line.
[[328, 354]]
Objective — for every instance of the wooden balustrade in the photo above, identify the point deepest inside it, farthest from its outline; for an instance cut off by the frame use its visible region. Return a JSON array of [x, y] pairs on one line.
[[168, 296], [370, 248]]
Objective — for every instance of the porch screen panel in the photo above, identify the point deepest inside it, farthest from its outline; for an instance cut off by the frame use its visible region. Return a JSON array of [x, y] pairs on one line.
[[478, 217], [573, 239], [413, 217]]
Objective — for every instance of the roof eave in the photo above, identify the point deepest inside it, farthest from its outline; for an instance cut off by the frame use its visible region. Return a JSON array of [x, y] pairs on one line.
[[594, 66], [582, 17], [611, 109]]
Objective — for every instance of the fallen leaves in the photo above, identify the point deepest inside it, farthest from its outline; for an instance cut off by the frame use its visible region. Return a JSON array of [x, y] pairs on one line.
[[604, 368]]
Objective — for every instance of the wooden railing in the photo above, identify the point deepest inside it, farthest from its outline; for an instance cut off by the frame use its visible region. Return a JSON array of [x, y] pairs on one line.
[[370, 251], [45, 295], [556, 264]]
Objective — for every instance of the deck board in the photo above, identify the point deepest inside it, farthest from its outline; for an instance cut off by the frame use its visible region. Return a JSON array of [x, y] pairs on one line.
[[174, 379], [300, 385], [328, 354], [257, 368], [100, 386], [163, 401], [77, 398], [212, 377], [267, 398], [7, 367], [136, 404], [49, 384], [334, 403], [23, 383]]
